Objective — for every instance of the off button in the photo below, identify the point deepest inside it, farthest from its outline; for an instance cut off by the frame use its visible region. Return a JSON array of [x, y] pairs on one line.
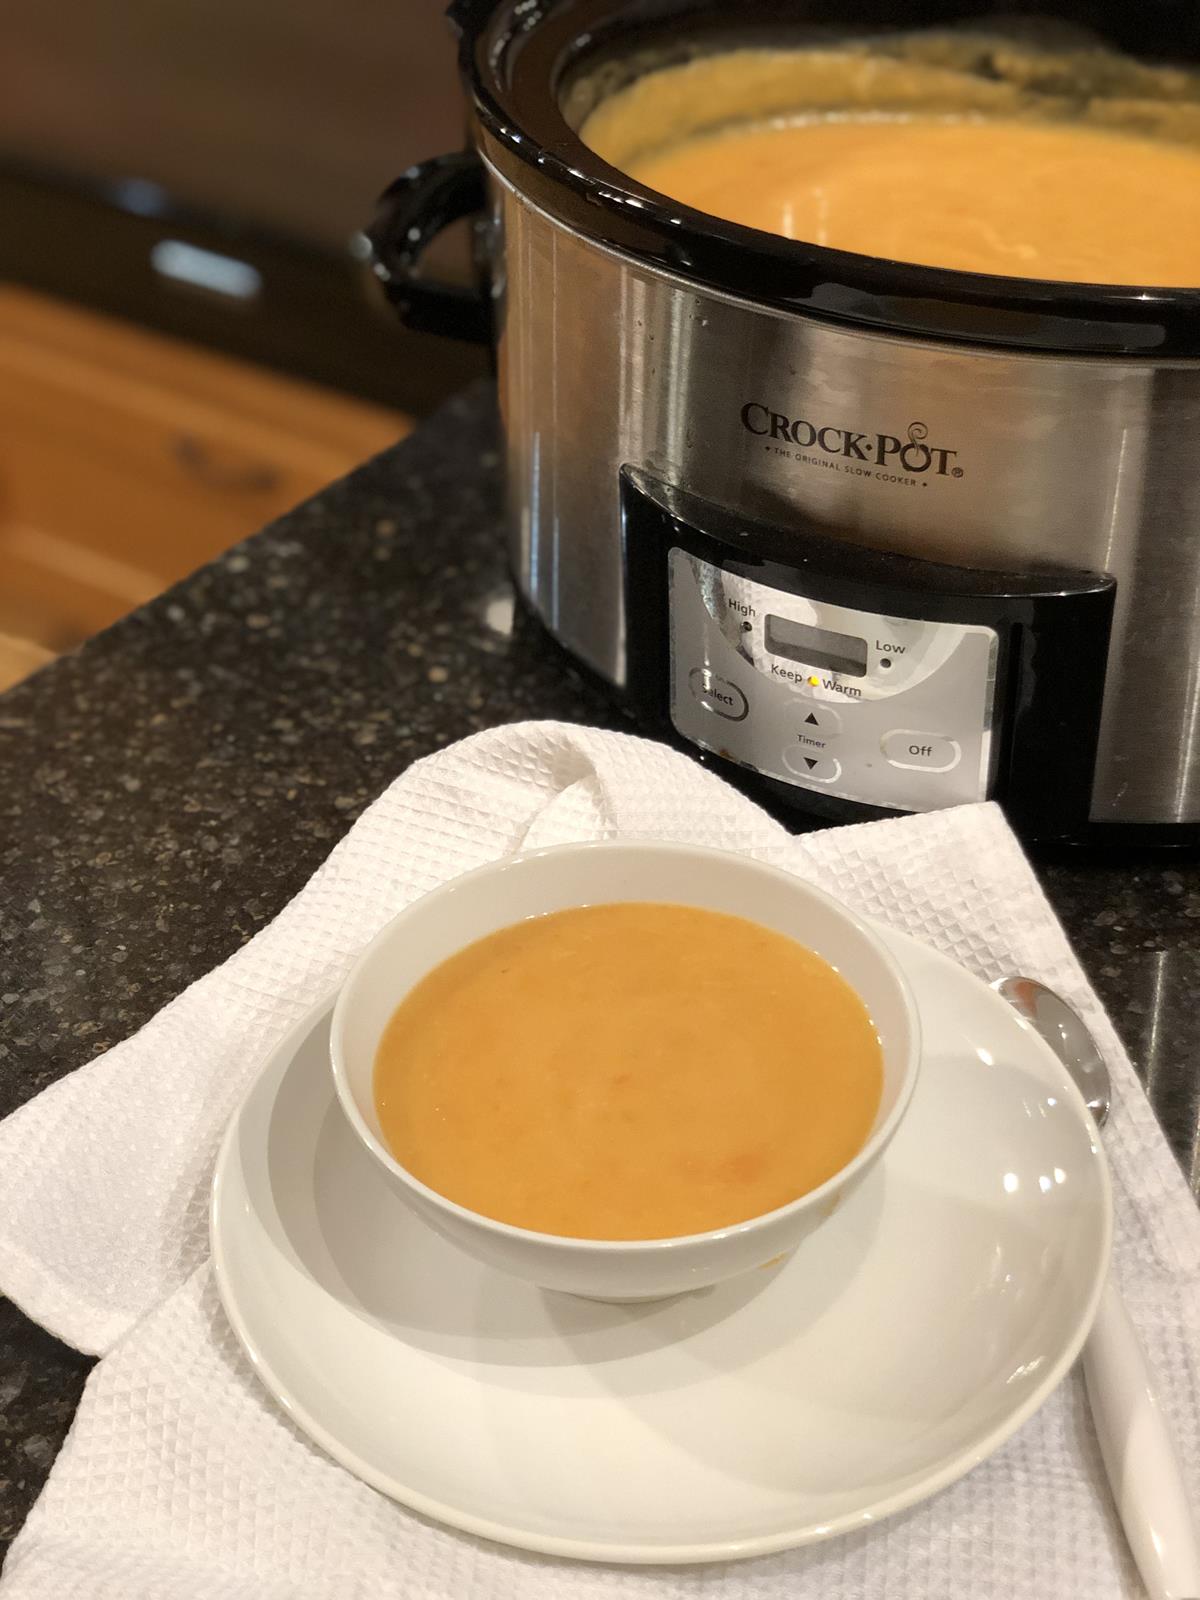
[[718, 694], [921, 752]]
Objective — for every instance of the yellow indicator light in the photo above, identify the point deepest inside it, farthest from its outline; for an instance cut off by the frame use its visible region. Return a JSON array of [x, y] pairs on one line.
[[816, 682]]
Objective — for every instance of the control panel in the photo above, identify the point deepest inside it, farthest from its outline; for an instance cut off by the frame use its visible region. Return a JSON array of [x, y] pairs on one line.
[[849, 680], [890, 711]]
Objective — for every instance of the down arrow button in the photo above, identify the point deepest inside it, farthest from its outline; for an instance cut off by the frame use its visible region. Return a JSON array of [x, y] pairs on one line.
[[813, 769]]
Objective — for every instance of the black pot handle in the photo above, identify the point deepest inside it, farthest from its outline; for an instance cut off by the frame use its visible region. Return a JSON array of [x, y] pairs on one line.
[[421, 202], [466, 14]]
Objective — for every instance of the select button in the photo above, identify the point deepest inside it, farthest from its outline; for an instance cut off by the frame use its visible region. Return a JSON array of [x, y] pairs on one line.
[[921, 752], [718, 694]]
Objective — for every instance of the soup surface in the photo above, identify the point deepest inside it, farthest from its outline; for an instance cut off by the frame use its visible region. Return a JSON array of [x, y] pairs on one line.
[[975, 188], [628, 1071]]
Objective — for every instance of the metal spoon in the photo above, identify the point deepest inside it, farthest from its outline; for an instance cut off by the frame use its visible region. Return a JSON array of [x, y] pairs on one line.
[[1139, 1453]]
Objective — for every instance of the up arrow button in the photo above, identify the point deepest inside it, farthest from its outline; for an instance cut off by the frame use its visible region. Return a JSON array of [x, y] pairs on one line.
[[822, 719]]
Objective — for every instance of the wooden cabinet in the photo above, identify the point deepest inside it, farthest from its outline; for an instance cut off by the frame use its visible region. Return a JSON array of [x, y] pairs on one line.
[[127, 460], [291, 114]]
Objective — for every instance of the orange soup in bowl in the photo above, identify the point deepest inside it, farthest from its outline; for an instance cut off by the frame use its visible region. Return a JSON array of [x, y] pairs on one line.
[[628, 1071]]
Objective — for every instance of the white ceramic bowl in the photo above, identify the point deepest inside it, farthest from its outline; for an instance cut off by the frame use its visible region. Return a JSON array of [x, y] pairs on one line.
[[529, 885]]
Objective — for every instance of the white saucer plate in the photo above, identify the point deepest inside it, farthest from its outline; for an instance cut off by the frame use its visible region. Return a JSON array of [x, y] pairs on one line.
[[901, 1345]]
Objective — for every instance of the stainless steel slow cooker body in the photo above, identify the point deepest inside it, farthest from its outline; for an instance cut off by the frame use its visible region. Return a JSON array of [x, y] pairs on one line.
[[883, 426]]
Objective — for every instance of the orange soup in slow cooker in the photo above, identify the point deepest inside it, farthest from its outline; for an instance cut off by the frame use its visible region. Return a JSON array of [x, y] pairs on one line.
[[628, 1071], [981, 187]]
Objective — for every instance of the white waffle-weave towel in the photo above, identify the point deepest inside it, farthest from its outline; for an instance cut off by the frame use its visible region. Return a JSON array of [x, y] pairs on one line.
[[181, 1480]]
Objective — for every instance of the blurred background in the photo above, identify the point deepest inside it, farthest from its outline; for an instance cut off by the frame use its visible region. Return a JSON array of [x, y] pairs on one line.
[[190, 339]]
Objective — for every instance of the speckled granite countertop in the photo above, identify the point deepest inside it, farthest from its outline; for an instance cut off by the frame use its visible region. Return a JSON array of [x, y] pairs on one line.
[[167, 789]]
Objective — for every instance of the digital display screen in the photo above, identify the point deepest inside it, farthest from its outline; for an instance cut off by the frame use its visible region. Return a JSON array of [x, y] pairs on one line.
[[817, 647]]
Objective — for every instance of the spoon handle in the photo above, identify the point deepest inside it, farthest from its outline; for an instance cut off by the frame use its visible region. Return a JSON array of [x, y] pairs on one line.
[[1143, 1464]]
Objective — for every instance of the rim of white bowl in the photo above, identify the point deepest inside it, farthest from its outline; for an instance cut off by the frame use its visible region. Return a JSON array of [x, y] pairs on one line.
[[877, 1142]]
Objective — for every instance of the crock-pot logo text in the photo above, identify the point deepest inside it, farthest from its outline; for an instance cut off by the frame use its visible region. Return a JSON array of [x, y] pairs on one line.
[[910, 456]]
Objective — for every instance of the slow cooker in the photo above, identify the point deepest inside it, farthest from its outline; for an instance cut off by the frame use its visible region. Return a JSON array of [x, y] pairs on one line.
[[876, 537]]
